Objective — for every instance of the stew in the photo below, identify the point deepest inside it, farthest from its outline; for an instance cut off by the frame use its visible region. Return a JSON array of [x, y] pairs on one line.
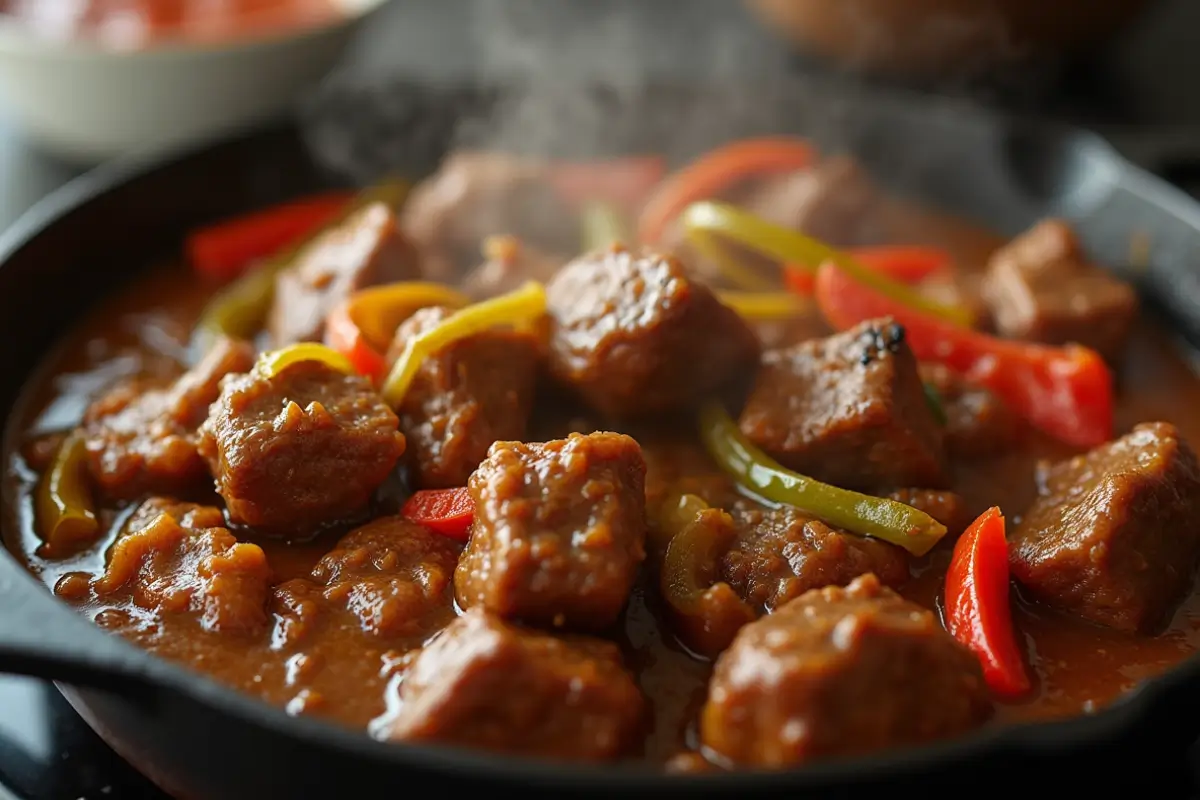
[[807, 471]]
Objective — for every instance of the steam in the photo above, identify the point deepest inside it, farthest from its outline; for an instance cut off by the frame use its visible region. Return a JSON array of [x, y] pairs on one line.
[[595, 79]]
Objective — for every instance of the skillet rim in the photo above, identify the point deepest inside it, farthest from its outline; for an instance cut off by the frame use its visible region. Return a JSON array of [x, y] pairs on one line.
[[1043, 737]]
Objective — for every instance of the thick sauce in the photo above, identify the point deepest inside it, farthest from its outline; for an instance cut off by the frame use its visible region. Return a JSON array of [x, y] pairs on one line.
[[142, 23], [1079, 667]]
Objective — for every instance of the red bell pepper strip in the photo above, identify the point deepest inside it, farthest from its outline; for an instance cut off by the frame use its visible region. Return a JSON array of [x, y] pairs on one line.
[[449, 512], [715, 172], [977, 604], [225, 249], [1066, 392], [621, 182], [904, 263]]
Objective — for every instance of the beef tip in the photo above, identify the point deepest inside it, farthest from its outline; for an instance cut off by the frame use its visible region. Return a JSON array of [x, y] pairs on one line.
[[978, 422], [389, 579], [835, 201], [839, 672], [178, 558], [633, 335], [141, 436], [466, 396], [475, 195], [1041, 288], [1112, 536], [509, 264], [484, 683], [559, 531], [963, 289], [365, 249], [779, 554], [947, 508], [299, 449], [849, 410]]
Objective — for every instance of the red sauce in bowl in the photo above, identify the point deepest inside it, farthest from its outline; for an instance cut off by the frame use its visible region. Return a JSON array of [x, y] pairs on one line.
[[143, 23]]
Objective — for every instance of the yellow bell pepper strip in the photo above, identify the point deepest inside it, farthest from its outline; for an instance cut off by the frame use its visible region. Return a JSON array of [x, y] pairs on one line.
[[273, 362], [905, 263], [520, 308], [676, 511], [362, 327], [739, 274], [63, 504], [602, 226], [706, 614], [878, 517], [1066, 392], [705, 220], [239, 309], [764, 305]]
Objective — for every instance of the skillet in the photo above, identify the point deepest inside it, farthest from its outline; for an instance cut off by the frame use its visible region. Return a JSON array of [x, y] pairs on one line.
[[197, 739]]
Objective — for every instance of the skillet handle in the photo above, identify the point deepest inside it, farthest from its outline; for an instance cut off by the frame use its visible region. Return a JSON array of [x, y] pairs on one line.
[[42, 638]]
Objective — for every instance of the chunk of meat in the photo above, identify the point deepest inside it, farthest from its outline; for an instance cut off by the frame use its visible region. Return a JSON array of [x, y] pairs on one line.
[[961, 288], [633, 335], [978, 422], [1041, 288], [849, 410], [141, 436], [366, 249], [947, 508], [300, 449], [560, 530], [391, 577], [1112, 536], [475, 195], [509, 263], [178, 558], [839, 672], [487, 684], [466, 396], [835, 202], [779, 554]]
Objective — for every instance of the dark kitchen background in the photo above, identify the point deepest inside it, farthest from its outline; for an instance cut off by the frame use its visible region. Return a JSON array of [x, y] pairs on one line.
[[1142, 93]]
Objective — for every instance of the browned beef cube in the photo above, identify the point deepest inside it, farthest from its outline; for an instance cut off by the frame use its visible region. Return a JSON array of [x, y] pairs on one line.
[[484, 683], [1113, 535], [838, 672], [509, 264], [849, 410], [559, 530], [835, 201], [633, 335], [389, 579], [947, 508], [466, 396], [365, 249], [780, 554], [178, 558], [141, 436], [300, 449], [978, 422], [475, 195], [1041, 288]]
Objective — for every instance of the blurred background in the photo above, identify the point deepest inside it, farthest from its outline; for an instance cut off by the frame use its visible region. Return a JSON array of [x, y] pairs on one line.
[[86, 81]]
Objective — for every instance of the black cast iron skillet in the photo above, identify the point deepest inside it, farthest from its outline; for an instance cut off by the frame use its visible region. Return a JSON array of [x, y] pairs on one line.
[[200, 740]]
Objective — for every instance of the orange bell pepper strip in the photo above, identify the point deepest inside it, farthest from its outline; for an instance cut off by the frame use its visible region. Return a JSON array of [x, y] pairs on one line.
[[1066, 392], [978, 613]]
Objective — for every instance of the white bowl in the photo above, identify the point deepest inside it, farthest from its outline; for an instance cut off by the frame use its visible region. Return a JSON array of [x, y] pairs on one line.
[[86, 103]]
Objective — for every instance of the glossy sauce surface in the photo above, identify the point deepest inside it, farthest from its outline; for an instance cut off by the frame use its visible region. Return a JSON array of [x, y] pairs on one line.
[[1079, 667]]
